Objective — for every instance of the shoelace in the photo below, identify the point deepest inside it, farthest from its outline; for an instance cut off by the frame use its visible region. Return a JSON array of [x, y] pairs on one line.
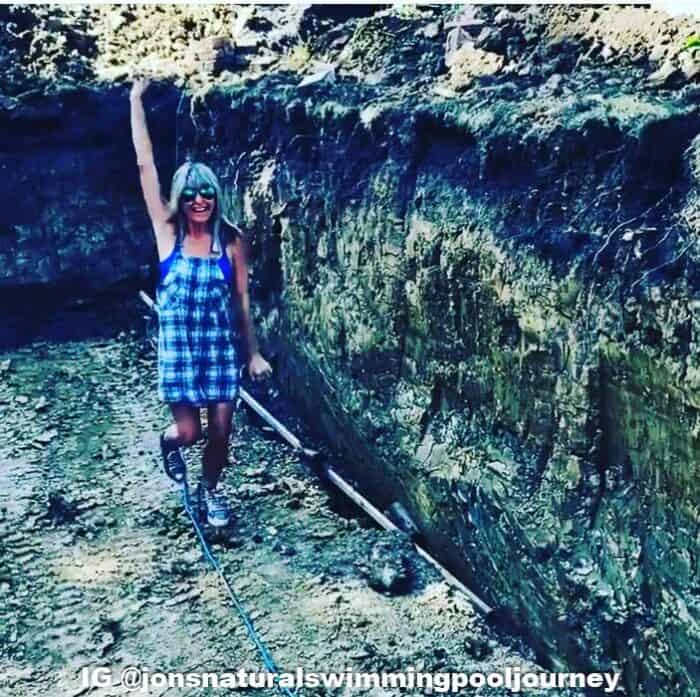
[[217, 502], [173, 457], [176, 462]]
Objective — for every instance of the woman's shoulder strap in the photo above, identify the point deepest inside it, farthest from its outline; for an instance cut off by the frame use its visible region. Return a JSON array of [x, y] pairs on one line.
[[225, 265]]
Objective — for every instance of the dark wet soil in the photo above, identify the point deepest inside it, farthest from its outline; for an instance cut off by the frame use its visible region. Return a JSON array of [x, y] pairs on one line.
[[100, 566]]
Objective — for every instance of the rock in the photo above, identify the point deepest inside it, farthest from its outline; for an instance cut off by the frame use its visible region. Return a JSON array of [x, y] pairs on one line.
[[376, 77], [513, 47], [322, 534], [657, 53], [489, 38], [664, 75], [466, 20], [98, 522], [183, 566], [530, 35], [41, 404], [183, 597], [284, 550], [503, 17], [390, 569], [60, 509], [456, 38], [14, 675], [251, 491], [607, 52], [553, 83], [431, 30], [322, 72], [690, 64], [469, 63], [295, 487], [367, 651], [477, 647]]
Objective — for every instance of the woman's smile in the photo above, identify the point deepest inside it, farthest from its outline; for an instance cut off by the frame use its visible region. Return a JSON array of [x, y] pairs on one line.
[[199, 210]]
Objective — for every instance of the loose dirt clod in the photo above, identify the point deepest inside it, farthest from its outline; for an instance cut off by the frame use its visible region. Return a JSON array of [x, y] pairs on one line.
[[60, 510], [390, 564]]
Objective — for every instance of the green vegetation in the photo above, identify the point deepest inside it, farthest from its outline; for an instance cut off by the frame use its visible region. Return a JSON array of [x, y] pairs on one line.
[[692, 42]]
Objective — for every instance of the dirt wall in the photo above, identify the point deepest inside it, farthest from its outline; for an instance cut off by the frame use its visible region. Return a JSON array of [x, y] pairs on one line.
[[456, 299]]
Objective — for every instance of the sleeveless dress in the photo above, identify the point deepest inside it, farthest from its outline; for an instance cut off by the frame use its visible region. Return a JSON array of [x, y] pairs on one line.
[[197, 359]]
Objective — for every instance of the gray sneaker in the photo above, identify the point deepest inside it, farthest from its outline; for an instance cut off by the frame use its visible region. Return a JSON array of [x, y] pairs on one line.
[[213, 507]]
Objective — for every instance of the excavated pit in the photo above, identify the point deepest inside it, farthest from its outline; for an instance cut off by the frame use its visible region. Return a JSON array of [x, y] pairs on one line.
[[100, 565], [487, 301]]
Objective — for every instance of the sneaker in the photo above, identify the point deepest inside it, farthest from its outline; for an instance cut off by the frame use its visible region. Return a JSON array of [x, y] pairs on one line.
[[173, 462], [213, 507]]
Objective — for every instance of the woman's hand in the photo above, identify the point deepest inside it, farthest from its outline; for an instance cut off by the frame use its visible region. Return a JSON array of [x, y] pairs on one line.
[[258, 367], [139, 87]]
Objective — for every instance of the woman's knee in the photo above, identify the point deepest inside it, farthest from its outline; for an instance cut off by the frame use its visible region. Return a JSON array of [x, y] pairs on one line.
[[188, 433], [219, 423], [187, 423]]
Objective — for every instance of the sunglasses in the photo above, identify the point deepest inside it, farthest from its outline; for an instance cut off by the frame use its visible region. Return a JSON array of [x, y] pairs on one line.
[[205, 191]]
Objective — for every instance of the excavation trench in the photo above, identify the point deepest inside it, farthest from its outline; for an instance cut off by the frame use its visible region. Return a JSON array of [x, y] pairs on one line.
[[489, 384], [100, 565], [483, 295]]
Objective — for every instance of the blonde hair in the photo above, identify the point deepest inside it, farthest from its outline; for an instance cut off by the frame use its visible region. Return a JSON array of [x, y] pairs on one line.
[[196, 174]]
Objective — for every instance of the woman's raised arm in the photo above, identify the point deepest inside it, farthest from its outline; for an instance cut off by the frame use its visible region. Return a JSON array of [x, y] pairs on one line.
[[157, 208]]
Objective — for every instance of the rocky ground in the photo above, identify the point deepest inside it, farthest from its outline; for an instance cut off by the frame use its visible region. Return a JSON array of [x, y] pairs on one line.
[[100, 566], [54, 48]]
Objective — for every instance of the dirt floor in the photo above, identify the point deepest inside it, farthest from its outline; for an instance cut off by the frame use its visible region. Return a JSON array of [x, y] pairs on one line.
[[100, 566]]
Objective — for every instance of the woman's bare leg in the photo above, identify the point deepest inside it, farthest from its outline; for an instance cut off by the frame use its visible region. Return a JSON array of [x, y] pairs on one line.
[[219, 429], [187, 427]]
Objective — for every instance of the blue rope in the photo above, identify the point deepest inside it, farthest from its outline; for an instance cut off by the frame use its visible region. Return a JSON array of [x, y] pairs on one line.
[[264, 652]]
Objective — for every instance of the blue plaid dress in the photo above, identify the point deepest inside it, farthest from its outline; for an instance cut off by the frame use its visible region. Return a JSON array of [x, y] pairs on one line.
[[197, 360]]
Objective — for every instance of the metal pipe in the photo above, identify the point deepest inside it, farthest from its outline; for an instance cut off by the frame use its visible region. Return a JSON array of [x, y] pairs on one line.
[[360, 500], [260, 410], [454, 581]]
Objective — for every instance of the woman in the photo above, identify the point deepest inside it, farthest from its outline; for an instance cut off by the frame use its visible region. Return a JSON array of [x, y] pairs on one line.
[[197, 362]]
